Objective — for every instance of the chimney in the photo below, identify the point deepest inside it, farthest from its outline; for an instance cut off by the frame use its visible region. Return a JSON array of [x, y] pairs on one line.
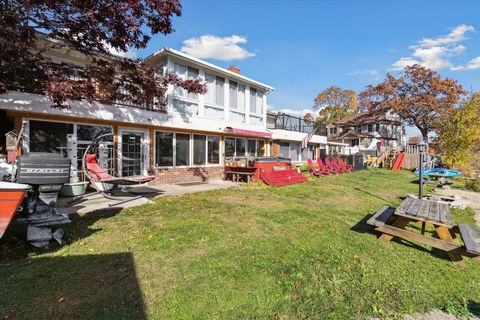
[[234, 69]]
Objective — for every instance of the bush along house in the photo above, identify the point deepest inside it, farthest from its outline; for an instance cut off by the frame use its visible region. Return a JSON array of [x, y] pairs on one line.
[[368, 132], [188, 142]]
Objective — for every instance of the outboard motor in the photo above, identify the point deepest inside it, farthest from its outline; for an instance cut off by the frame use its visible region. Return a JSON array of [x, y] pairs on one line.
[[46, 173]]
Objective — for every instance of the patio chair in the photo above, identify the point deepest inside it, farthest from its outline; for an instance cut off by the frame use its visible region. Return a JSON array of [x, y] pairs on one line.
[[104, 183], [315, 171], [341, 168], [324, 168], [348, 166], [334, 169]]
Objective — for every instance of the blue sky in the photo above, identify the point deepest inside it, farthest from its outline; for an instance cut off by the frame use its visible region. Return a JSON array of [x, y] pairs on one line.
[[303, 47]]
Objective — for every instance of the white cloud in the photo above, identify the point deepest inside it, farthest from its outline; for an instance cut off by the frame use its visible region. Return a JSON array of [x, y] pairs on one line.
[[456, 35], [365, 72], [433, 57], [403, 62], [210, 46], [435, 53], [474, 64]]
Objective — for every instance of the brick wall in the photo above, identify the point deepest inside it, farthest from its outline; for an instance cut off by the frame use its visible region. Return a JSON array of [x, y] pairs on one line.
[[275, 149], [178, 175]]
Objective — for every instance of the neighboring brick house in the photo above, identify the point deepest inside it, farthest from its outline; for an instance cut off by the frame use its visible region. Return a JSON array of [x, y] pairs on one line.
[[368, 131]]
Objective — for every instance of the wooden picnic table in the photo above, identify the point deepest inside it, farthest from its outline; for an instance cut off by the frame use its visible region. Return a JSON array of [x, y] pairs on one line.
[[237, 176], [426, 212]]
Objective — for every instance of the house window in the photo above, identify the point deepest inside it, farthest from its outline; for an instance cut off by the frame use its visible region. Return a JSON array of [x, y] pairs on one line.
[[199, 149], [252, 148], [88, 133], [354, 143], [213, 150], [182, 149], [237, 102], [49, 136], [333, 130], [359, 129], [240, 147], [294, 151], [370, 128], [261, 148], [377, 127], [214, 97], [312, 152], [253, 100], [256, 101], [229, 147], [185, 73], [284, 150], [164, 149]]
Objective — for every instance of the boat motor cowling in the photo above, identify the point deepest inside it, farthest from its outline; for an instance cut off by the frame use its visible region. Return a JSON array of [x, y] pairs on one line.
[[45, 173]]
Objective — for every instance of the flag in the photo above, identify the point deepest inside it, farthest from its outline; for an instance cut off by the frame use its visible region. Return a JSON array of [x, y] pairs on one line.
[[307, 139]]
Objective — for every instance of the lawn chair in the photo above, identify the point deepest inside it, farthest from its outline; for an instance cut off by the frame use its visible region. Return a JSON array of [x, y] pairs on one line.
[[315, 171], [323, 168], [341, 168], [348, 166], [334, 169], [104, 183]]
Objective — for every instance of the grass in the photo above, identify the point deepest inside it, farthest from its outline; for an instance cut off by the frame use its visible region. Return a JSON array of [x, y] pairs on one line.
[[301, 251], [467, 184]]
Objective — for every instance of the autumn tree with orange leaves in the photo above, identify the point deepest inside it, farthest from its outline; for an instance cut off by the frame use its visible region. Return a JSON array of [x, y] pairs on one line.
[[419, 95], [334, 103]]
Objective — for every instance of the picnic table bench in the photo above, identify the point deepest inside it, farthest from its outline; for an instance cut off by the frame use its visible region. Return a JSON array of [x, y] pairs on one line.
[[237, 176], [391, 223]]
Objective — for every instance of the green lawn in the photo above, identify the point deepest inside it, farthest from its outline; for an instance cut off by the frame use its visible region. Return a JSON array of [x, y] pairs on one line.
[[301, 251]]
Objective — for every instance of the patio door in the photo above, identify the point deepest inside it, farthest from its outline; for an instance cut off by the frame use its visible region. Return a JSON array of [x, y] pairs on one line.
[[133, 149]]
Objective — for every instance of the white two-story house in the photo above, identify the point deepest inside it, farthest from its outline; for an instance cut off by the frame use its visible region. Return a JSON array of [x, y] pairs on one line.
[[186, 143], [368, 132]]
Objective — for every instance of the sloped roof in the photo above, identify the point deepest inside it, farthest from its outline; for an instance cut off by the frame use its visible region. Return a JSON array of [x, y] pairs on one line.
[[350, 134], [362, 117]]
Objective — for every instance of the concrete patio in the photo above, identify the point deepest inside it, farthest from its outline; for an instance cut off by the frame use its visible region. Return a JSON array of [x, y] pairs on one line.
[[146, 193]]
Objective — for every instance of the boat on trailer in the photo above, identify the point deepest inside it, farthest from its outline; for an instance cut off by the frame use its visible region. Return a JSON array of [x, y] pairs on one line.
[[11, 196]]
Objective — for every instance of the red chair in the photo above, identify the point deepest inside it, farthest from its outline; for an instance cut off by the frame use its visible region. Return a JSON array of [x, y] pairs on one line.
[[316, 171], [348, 166], [335, 169], [341, 168], [324, 168]]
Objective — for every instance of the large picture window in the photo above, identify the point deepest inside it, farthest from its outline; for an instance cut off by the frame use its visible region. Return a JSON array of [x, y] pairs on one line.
[[241, 147], [182, 149], [229, 147], [164, 149], [213, 150], [199, 149], [49, 136], [173, 149]]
